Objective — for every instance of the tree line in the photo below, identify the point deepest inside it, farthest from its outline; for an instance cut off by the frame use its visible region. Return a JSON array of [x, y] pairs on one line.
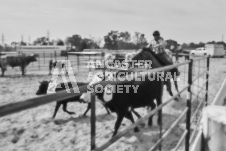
[[113, 40]]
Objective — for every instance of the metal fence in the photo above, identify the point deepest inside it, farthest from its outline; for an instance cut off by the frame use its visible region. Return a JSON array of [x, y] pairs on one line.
[[195, 77], [78, 60], [42, 65], [196, 91]]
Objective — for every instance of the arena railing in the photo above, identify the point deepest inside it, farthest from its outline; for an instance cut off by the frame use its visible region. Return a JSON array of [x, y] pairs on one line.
[[62, 95]]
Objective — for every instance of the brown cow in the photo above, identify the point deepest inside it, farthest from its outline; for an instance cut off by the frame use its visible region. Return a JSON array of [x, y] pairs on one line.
[[14, 61]]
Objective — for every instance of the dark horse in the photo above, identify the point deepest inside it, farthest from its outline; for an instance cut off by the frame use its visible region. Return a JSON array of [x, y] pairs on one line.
[[148, 54]]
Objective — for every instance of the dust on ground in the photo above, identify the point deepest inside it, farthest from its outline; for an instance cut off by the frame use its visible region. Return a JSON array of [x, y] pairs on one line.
[[34, 129]]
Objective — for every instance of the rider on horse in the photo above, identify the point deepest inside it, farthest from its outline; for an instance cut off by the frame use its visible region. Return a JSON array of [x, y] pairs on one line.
[[157, 45]]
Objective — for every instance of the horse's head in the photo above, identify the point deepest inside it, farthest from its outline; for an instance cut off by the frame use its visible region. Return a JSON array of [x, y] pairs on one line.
[[148, 55]]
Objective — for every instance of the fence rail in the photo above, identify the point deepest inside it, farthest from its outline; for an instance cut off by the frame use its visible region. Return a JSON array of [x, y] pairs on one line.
[[62, 95]]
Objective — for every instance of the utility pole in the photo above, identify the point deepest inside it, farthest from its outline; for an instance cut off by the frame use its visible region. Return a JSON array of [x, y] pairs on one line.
[[222, 37], [3, 39], [29, 40], [48, 34], [22, 38]]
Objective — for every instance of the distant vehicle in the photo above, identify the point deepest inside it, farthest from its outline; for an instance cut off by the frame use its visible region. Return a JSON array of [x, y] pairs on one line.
[[215, 50], [212, 50], [199, 52]]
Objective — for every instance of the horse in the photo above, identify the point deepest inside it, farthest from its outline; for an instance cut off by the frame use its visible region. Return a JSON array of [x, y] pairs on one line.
[[148, 54]]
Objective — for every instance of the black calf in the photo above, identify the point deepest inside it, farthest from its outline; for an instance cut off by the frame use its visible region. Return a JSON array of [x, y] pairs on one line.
[[43, 90]]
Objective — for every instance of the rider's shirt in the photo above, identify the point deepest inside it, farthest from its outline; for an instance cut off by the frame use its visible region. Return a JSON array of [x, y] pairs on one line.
[[158, 46]]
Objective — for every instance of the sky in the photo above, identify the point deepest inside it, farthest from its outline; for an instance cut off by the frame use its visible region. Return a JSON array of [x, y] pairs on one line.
[[182, 20]]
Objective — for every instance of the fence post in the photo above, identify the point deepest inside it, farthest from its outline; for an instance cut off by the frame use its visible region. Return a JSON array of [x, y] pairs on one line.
[[89, 63], [55, 55], [78, 62], [160, 120], [189, 97], [44, 57], [177, 56], [50, 66], [51, 56], [93, 121], [207, 78], [67, 61], [103, 61], [39, 61]]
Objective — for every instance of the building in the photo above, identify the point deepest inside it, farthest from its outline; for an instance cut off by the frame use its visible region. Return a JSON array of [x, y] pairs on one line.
[[41, 49]]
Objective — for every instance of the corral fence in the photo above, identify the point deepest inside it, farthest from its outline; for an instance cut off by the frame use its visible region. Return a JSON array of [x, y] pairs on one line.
[[43, 61], [197, 96], [194, 73], [78, 60], [201, 143]]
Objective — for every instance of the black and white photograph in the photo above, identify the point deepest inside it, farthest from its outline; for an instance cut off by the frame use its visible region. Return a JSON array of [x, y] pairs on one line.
[[112, 75]]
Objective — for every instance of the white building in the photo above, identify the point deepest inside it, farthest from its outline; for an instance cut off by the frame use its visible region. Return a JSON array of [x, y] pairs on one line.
[[41, 49]]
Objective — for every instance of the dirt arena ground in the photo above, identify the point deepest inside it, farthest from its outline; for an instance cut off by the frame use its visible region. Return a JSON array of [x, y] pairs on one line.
[[34, 129]]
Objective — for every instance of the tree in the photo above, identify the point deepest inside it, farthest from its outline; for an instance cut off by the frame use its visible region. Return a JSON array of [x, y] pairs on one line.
[[171, 45], [42, 41], [59, 42], [75, 40], [111, 40], [140, 40], [23, 43], [80, 44], [96, 42], [125, 36], [1, 48]]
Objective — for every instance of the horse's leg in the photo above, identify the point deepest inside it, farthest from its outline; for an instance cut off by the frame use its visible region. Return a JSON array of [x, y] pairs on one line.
[[130, 117], [168, 87], [152, 105], [88, 108], [56, 108], [118, 122], [150, 118], [65, 108], [176, 86]]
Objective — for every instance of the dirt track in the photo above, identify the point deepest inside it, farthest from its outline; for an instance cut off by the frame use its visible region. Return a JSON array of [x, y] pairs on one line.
[[35, 130]]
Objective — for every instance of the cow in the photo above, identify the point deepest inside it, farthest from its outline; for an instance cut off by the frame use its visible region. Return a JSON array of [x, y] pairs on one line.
[[14, 61], [148, 91], [43, 88], [123, 104]]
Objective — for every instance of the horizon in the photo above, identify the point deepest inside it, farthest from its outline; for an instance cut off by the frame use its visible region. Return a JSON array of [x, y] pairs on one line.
[[183, 21]]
